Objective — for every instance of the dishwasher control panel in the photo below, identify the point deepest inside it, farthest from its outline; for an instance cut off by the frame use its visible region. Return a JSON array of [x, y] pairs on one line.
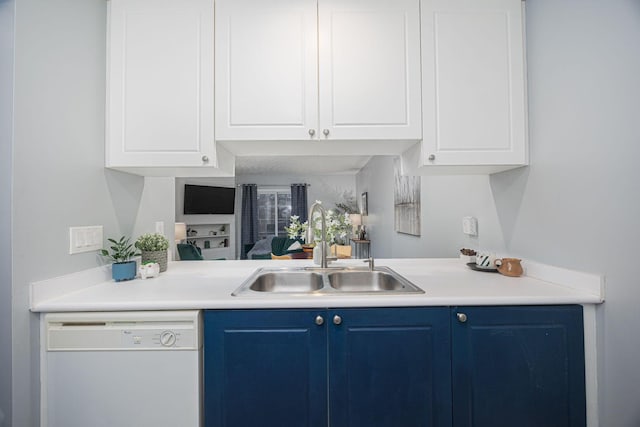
[[156, 338], [118, 333]]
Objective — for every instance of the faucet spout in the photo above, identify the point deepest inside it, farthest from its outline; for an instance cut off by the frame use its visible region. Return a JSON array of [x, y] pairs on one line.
[[323, 230]]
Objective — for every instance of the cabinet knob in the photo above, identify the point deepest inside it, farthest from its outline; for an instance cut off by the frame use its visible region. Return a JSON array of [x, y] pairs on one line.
[[319, 320], [312, 132], [337, 320], [461, 317], [432, 157], [326, 132], [205, 159]]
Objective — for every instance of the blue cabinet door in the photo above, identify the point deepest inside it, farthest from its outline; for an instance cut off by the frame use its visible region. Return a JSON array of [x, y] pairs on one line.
[[389, 367], [264, 368], [518, 366]]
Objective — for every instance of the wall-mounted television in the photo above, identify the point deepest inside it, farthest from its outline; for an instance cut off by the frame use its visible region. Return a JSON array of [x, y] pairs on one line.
[[204, 199]]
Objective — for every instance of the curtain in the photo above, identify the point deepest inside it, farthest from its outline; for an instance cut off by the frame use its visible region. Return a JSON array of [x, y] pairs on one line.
[[299, 201], [249, 218]]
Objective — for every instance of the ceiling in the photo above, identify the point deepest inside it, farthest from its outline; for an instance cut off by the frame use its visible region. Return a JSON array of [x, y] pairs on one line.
[[299, 165]]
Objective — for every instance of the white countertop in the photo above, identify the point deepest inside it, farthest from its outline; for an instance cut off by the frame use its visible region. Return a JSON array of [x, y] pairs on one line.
[[209, 284]]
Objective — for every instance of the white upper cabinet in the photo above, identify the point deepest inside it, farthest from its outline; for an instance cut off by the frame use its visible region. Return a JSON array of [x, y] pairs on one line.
[[317, 69], [369, 62], [266, 69], [160, 84], [473, 85]]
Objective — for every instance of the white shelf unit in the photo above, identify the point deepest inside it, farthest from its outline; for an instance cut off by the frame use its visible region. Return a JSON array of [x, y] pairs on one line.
[[214, 239]]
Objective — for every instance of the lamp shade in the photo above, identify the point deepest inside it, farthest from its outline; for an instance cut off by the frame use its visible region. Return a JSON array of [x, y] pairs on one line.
[[180, 231], [356, 219]]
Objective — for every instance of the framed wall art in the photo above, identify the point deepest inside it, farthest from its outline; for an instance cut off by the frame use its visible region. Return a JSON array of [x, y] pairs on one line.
[[364, 204]]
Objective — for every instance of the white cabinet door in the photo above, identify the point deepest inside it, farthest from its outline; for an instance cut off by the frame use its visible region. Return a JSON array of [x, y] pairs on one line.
[[266, 69], [473, 83], [369, 61], [160, 74], [325, 69]]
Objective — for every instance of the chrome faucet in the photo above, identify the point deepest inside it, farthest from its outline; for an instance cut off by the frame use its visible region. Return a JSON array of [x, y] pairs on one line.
[[323, 231], [371, 263]]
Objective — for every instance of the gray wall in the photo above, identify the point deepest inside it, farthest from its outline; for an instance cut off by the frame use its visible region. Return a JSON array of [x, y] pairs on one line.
[[578, 205], [444, 201], [58, 172], [156, 204], [7, 9]]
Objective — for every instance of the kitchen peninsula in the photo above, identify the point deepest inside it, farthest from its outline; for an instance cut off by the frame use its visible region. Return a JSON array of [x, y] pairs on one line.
[[549, 304]]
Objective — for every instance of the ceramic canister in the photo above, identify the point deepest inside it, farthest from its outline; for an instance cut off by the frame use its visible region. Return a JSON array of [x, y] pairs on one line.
[[509, 267]]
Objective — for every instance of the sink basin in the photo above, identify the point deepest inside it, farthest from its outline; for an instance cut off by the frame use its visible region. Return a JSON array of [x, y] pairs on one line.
[[326, 281], [294, 281], [369, 281]]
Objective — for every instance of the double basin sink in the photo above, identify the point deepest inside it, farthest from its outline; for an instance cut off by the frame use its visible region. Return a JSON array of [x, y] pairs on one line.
[[326, 281]]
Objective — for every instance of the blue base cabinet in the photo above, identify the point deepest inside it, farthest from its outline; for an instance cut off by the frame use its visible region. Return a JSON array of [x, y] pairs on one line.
[[296, 368], [395, 367], [518, 366], [264, 368], [390, 367]]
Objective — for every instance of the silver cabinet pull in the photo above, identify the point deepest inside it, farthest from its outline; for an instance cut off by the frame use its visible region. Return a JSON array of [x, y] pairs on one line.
[[319, 320], [432, 157], [337, 320], [312, 132], [205, 159], [461, 317], [326, 132]]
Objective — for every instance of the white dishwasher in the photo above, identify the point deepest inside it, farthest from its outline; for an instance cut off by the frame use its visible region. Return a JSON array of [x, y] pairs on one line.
[[121, 369]]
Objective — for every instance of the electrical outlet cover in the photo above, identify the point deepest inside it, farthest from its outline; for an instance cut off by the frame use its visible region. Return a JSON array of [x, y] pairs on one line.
[[470, 226]]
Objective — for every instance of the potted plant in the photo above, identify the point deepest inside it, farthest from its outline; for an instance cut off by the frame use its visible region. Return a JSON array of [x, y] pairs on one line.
[[154, 249], [122, 252]]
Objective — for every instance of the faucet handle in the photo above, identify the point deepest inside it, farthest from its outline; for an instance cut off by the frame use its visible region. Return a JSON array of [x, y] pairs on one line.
[[371, 263]]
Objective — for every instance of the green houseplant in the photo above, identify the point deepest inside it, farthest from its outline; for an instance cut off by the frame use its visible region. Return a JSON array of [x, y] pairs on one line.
[[121, 253], [154, 249]]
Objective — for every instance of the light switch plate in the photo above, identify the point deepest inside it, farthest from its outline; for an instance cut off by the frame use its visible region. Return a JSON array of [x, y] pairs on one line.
[[85, 239], [470, 226]]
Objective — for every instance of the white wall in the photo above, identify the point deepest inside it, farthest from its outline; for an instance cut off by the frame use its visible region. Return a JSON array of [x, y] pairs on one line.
[[578, 205], [7, 9], [444, 201]]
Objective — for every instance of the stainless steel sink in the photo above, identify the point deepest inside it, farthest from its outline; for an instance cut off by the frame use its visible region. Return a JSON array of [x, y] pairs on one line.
[[369, 281], [294, 281], [326, 281]]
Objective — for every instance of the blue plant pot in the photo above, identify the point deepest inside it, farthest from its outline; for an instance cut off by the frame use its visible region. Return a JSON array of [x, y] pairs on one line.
[[121, 271]]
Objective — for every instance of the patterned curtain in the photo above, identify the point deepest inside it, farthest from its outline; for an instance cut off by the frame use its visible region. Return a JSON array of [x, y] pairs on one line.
[[249, 219], [299, 201]]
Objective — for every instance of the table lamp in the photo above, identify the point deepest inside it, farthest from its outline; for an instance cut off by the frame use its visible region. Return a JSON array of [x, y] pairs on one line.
[[180, 232], [356, 222]]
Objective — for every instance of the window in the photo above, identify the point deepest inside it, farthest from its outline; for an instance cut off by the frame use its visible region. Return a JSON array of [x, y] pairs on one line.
[[274, 211]]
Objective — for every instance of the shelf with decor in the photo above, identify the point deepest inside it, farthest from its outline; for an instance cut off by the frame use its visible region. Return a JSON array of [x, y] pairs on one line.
[[214, 239]]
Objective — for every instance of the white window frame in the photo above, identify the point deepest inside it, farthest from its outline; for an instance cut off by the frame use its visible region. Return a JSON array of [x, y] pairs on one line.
[[275, 191]]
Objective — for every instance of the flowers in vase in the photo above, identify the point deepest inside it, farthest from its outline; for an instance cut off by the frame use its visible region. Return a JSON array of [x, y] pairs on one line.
[[338, 227], [297, 229]]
